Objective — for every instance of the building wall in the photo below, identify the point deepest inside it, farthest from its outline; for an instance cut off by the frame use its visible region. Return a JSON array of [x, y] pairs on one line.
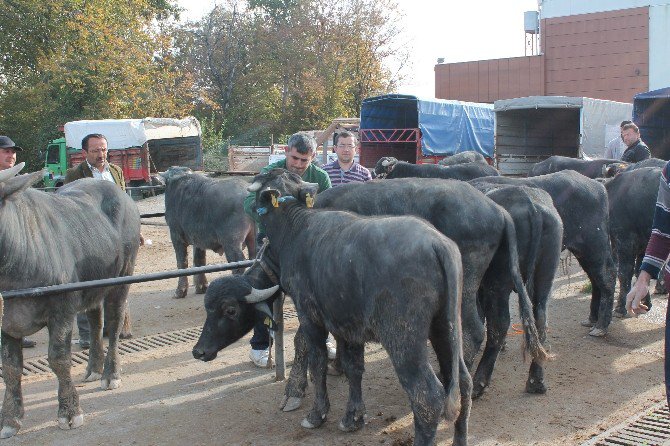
[[489, 80], [659, 47], [602, 55]]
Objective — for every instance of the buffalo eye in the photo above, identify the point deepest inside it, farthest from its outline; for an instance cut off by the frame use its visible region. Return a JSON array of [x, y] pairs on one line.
[[230, 311]]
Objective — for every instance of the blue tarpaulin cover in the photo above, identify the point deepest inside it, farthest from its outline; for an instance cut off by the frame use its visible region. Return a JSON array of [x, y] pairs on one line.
[[447, 127]]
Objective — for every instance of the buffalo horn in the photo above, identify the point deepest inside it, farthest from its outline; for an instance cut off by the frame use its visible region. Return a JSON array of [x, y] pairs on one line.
[[256, 295], [11, 172], [254, 187], [385, 163]]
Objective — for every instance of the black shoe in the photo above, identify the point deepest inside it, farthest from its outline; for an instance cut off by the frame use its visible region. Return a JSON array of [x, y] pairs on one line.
[[84, 344], [27, 343]]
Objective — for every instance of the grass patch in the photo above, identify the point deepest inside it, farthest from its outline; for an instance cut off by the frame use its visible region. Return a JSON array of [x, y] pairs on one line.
[[587, 287]]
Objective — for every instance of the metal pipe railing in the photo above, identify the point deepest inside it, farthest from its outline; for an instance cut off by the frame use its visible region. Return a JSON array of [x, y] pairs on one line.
[[124, 280]]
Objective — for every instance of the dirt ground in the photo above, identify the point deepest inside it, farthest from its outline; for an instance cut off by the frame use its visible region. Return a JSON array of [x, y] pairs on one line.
[[168, 398]]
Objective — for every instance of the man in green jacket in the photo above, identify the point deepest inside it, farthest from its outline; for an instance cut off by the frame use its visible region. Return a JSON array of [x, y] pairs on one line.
[[299, 155]]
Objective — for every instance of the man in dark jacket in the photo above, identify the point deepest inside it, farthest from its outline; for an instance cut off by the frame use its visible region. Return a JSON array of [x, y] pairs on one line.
[[637, 150], [94, 166]]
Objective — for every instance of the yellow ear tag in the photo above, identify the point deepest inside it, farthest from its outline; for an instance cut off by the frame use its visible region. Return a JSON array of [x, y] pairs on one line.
[[309, 201], [275, 203]]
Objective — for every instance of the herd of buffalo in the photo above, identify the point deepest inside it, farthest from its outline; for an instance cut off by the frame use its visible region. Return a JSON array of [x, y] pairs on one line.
[[423, 252]]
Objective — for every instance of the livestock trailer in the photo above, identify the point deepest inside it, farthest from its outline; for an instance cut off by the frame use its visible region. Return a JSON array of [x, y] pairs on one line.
[[423, 130], [531, 129], [651, 112]]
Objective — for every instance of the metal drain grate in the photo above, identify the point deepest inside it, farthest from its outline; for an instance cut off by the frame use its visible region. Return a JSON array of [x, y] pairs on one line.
[[652, 429], [40, 365]]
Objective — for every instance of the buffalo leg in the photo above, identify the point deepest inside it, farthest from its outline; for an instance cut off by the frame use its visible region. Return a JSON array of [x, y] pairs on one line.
[[472, 321], [12, 366], [495, 302], [353, 363], [625, 275], [439, 339], [318, 362], [602, 274], [70, 415], [233, 253], [426, 393], [297, 379], [96, 354], [111, 375], [250, 242], [199, 259], [180, 251]]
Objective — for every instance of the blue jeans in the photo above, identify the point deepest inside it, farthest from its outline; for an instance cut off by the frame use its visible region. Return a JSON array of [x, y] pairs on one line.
[[83, 327], [261, 337]]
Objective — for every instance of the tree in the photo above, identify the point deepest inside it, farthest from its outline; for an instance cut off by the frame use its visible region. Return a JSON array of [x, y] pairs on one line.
[[112, 59]]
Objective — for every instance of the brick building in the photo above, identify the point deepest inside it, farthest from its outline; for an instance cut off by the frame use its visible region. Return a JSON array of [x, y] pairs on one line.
[[604, 49]]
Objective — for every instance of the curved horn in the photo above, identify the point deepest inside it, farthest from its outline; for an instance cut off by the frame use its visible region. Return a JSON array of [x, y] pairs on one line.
[[254, 187], [11, 172], [385, 163], [305, 183], [257, 295]]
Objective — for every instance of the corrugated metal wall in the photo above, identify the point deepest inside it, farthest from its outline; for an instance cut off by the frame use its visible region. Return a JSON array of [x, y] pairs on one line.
[[490, 80], [602, 55]]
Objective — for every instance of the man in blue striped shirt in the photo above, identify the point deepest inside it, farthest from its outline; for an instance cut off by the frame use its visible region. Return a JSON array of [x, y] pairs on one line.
[[345, 169]]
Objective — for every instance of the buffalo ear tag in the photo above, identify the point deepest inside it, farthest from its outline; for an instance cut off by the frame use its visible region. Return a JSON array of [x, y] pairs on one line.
[[309, 201], [275, 203]]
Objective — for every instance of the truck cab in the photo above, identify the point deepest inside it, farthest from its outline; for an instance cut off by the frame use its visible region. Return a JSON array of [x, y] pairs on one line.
[[55, 163]]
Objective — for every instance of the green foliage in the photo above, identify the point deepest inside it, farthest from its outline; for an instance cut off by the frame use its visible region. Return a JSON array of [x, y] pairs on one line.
[[248, 70]]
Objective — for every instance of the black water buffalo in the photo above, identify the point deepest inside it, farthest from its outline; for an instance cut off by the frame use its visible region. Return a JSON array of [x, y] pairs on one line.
[[207, 214], [88, 230], [539, 233], [589, 168], [483, 231], [621, 166], [375, 290], [388, 167], [632, 201], [469, 156], [582, 204]]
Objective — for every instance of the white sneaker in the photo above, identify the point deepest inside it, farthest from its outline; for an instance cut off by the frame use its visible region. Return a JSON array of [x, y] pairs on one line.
[[260, 357], [331, 346]]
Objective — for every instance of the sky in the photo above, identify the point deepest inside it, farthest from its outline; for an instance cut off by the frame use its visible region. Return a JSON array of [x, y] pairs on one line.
[[457, 30]]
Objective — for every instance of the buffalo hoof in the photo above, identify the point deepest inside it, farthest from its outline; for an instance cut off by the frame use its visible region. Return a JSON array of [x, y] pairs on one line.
[[110, 384], [348, 424], [179, 294], [478, 390], [333, 370], [587, 323], [290, 403], [620, 313], [598, 332], [72, 423], [125, 336], [92, 376], [8, 431], [313, 422], [200, 289], [534, 386]]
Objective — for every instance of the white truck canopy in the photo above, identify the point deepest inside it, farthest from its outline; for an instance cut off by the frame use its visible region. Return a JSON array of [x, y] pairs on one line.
[[125, 133]]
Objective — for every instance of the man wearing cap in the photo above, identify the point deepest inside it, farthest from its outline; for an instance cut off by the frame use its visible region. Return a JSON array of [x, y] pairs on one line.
[[7, 159], [7, 152]]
